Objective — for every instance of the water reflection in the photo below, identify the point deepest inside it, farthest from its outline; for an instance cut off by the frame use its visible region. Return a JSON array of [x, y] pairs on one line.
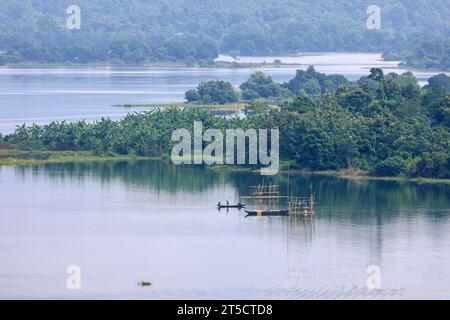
[[131, 220], [304, 226], [354, 200]]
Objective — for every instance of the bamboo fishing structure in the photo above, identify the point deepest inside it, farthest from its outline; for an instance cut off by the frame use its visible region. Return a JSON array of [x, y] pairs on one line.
[[301, 205], [267, 198]]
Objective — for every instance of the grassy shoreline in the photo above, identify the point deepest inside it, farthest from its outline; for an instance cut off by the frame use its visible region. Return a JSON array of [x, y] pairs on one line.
[[12, 157], [343, 175], [231, 107], [216, 64]]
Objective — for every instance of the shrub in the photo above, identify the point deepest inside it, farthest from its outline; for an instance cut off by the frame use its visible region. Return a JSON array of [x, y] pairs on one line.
[[192, 96], [213, 91], [391, 167], [433, 165]]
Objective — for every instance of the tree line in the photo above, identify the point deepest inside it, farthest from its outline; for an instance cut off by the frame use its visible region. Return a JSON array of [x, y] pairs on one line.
[[386, 124], [195, 31], [261, 86]]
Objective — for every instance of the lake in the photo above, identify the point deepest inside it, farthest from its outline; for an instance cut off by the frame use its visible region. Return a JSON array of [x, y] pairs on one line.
[[44, 94], [124, 222]]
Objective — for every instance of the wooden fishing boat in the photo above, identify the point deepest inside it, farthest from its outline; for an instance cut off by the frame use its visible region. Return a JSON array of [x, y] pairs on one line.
[[235, 206], [267, 213]]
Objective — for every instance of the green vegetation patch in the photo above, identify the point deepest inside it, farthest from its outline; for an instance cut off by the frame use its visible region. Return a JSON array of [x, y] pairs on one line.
[[384, 124], [188, 31], [30, 157]]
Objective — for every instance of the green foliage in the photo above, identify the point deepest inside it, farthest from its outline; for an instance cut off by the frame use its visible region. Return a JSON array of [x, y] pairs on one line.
[[312, 82], [434, 165], [192, 96], [431, 52], [353, 98], [376, 74], [437, 103], [213, 91], [391, 167], [439, 80], [257, 106], [260, 85], [192, 31], [363, 125], [301, 104], [446, 121]]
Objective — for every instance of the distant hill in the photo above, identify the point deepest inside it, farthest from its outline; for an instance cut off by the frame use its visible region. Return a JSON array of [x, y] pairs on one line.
[[192, 31]]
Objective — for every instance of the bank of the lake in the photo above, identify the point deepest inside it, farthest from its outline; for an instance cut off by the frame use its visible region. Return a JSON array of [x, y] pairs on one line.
[[227, 107], [343, 174], [10, 157]]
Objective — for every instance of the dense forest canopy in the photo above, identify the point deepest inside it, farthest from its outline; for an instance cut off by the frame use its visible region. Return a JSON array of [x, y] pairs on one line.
[[197, 30]]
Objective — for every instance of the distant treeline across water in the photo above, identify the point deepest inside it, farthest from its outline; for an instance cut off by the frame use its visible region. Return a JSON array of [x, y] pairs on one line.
[[194, 32]]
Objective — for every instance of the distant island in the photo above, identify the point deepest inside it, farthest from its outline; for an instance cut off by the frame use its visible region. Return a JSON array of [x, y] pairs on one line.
[[383, 125]]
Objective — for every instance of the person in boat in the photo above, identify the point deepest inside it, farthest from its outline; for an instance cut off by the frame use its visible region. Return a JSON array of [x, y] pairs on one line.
[[228, 203], [218, 204]]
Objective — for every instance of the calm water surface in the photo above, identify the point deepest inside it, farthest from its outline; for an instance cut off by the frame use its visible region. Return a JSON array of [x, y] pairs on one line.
[[124, 222], [44, 94]]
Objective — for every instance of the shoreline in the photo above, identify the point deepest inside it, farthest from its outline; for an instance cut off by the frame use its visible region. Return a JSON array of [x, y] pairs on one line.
[[215, 107], [18, 158], [221, 64], [342, 175]]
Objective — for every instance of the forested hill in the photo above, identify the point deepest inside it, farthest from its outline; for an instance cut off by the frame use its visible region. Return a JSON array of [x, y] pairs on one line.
[[196, 30]]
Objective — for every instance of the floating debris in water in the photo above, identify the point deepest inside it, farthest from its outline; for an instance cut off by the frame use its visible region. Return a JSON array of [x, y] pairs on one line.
[[144, 283]]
